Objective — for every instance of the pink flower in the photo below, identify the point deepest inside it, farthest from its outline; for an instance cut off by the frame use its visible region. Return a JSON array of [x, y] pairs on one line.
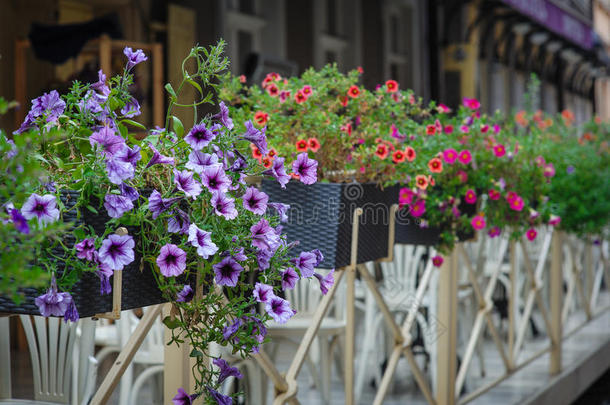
[[442, 108], [470, 197], [471, 103], [405, 196], [419, 208], [531, 234], [496, 128], [549, 170], [437, 261], [484, 128], [478, 222], [448, 129], [493, 194], [450, 155], [499, 150], [539, 160], [516, 204], [465, 156], [465, 129], [462, 175], [555, 220], [493, 232]]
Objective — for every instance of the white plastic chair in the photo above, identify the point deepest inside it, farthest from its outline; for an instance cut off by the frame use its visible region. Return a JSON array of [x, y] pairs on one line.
[[64, 370], [304, 298]]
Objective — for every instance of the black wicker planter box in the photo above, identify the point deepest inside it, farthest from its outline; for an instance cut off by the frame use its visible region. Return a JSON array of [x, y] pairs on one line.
[[320, 217], [139, 287]]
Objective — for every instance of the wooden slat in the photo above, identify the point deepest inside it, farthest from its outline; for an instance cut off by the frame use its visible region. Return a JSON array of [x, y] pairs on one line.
[[5, 359]]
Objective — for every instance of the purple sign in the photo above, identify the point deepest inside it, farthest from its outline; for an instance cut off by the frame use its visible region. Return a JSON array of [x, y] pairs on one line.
[[555, 19]]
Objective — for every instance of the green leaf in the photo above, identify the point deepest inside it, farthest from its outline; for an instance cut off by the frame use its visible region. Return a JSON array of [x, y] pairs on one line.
[[170, 90], [134, 123], [196, 353], [195, 85], [178, 127], [171, 323], [92, 209]]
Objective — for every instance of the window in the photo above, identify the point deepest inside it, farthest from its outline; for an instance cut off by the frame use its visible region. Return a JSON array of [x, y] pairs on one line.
[[243, 32], [402, 46]]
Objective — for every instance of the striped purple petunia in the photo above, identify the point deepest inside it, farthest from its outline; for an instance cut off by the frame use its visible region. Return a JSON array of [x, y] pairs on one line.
[[305, 168], [185, 182], [215, 179], [43, 208], [171, 260], [202, 240], [117, 205], [200, 136], [255, 200], [224, 205], [227, 272], [279, 309], [117, 251]]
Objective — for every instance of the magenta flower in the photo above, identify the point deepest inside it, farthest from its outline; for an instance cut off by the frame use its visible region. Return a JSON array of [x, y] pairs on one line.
[[437, 261], [215, 179], [499, 150], [224, 205], [470, 197], [186, 294], [133, 58], [258, 138], [200, 136], [305, 168], [119, 171], [306, 263], [264, 236], [516, 203], [182, 398], [227, 272], [493, 232], [199, 160], [555, 220], [225, 370], [171, 260], [43, 208], [450, 155], [326, 282], [549, 170], [223, 116], [117, 205], [202, 240], [107, 140], [157, 205], [158, 158], [478, 222], [531, 234], [289, 278], [282, 210], [419, 208], [21, 224], [262, 292], [185, 182], [471, 103], [255, 201], [278, 171], [117, 251], [465, 157], [279, 309]]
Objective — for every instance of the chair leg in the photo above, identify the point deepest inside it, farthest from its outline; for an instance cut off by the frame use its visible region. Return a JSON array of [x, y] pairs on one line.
[[139, 382], [325, 365]]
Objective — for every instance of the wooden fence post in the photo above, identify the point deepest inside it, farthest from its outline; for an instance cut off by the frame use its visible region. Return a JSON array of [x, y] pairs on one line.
[[556, 290]]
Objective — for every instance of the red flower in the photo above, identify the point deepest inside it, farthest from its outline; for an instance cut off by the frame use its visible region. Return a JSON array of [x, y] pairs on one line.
[[347, 128], [307, 90], [300, 97], [410, 152], [353, 91], [430, 129], [343, 100], [256, 153], [435, 165], [398, 156], [382, 151], [266, 81], [267, 162], [448, 129], [272, 153], [391, 86], [261, 118], [360, 70], [302, 145], [314, 144], [493, 194], [242, 79], [421, 181], [273, 90]]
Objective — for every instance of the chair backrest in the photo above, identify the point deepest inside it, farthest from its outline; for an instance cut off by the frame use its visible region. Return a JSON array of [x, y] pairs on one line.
[[51, 342], [401, 274], [306, 296]]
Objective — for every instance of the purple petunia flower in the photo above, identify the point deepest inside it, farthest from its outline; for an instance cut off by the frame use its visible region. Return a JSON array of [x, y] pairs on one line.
[[179, 222], [43, 208], [157, 205], [202, 240], [289, 278], [230, 330], [85, 249], [224, 205], [100, 85], [129, 155], [129, 192], [264, 236], [117, 205], [218, 397], [238, 164], [171, 260], [158, 158], [117, 251], [223, 116], [282, 210], [200, 136], [50, 104], [262, 292], [570, 169], [182, 398], [133, 58], [53, 303], [199, 160], [278, 171], [119, 171], [239, 254], [71, 313], [263, 258], [306, 168], [225, 370], [326, 282], [279, 309], [186, 295], [258, 138], [215, 179], [21, 224], [306, 263], [109, 142], [255, 201], [185, 182], [131, 109], [104, 273], [319, 256], [227, 272]]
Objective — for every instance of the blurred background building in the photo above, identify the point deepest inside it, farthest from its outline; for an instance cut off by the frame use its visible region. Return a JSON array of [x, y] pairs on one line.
[[442, 49]]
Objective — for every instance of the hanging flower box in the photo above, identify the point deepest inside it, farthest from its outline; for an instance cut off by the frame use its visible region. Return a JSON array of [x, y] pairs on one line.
[[320, 216]]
